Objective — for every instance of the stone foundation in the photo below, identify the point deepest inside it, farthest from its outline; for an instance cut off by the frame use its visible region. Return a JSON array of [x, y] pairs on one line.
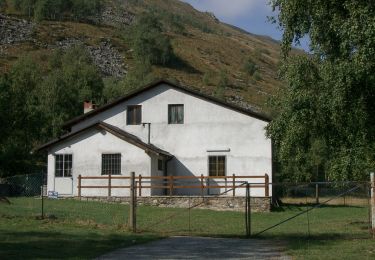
[[258, 204]]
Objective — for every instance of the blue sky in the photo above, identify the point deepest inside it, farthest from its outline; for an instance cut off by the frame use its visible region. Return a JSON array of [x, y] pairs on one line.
[[250, 15]]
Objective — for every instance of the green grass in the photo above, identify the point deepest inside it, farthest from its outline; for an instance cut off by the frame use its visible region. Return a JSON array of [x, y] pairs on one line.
[[75, 229]]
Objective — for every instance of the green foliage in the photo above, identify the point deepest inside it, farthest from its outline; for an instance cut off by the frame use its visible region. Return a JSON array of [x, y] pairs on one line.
[[176, 22], [138, 76], [208, 78], [83, 8], [35, 103], [222, 84], [257, 76], [250, 67], [3, 5], [150, 45], [58, 9], [329, 96]]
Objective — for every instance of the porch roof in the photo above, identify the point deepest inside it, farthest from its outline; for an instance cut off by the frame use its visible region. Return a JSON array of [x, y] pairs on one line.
[[123, 135]]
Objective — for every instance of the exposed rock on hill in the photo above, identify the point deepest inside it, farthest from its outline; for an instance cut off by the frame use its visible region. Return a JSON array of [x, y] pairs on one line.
[[107, 59], [13, 30]]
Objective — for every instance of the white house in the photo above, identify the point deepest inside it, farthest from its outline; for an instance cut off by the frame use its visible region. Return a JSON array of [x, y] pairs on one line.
[[162, 129]]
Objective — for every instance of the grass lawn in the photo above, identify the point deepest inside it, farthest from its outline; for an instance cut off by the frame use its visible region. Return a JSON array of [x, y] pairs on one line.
[[77, 229]]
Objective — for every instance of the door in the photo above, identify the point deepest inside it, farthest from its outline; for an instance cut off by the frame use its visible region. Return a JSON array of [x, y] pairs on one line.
[[64, 185], [216, 168], [63, 174]]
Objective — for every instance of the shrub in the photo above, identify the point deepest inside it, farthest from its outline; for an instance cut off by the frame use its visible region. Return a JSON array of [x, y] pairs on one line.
[[58, 9], [149, 44], [257, 76], [250, 67]]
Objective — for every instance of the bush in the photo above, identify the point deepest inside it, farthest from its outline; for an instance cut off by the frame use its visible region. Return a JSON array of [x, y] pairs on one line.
[[149, 44], [250, 67], [207, 78], [3, 5], [58, 9], [257, 76], [222, 84]]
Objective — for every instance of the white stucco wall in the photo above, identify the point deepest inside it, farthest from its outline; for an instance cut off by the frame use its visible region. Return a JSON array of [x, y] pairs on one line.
[[87, 150], [207, 126]]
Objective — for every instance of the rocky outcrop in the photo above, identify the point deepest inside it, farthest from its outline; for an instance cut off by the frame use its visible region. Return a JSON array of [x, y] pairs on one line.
[[116, 17], [107, 59], [239, 101], [105, 56], [13, 30]]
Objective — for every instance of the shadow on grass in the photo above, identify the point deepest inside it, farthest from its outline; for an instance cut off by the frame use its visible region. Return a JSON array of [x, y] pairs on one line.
[[182, 65], [298, 241], [302, 206], [51, 244]]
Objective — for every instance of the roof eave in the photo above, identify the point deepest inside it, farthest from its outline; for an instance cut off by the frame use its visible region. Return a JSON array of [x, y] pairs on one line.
[[248, 112]]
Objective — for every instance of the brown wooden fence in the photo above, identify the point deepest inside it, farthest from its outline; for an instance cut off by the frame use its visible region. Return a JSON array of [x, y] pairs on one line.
[[171, 183]]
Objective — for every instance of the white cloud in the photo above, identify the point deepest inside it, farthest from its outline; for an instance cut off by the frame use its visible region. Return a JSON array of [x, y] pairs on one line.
[[230, 8]]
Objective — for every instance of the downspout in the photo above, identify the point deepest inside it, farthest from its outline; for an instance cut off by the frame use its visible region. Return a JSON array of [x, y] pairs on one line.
[[149, 131]]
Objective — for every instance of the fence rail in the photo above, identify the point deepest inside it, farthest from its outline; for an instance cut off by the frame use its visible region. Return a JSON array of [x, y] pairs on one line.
[[172, 183]]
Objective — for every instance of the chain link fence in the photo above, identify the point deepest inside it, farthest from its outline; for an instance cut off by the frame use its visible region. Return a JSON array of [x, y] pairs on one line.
[[301, 211]]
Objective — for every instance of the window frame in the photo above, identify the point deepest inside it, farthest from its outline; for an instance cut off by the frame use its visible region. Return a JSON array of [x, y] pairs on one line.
[[134, 114], [169, 114], [160, 165], [102, 164], [217, 164], [64, 170]]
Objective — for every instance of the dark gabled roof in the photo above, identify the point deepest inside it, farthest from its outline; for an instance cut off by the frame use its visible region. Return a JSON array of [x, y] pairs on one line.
[[132, 139], [173, 85]]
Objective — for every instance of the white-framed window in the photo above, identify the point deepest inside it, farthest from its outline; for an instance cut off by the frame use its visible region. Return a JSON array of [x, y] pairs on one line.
[[111, 164], [217, 165], [63, 165]]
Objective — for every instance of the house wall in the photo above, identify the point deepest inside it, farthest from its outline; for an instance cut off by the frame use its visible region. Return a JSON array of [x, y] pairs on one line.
[[87, 150], [207, 126]]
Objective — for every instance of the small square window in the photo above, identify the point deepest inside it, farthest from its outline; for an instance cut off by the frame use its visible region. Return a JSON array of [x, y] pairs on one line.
[[175, 114], [134, 115], [111, 164], [160, 165], [216, 166]]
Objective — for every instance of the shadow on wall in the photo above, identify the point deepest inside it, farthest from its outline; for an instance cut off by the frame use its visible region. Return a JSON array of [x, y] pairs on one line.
[[177, 168]]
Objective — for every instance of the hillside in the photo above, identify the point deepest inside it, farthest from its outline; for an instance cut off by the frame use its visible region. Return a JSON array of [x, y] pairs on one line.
[[206, 47]]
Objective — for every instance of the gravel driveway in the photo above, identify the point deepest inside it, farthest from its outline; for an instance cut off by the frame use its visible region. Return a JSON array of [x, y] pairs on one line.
[[202, 247]]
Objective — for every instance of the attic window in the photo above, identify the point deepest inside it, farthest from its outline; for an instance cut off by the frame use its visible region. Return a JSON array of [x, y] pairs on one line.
[[134, 115], [175, 114]]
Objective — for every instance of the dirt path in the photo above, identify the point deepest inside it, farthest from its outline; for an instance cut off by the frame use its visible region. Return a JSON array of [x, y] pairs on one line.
[[202, 247]]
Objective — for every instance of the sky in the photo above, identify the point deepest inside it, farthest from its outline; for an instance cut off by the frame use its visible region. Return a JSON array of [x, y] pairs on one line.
[[250, 15]]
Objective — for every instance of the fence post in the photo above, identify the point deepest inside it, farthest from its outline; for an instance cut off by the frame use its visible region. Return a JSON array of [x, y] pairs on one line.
[[170, 185], [202, 185], [79, 186], [109, 185], [140, 185], [372, 177], [42, 195], [248, 211], [317, 193], [234, 184], [132, 202], [267, 185]]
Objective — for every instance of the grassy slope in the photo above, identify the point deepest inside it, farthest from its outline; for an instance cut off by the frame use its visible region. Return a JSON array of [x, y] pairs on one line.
[[88, 229], [224, 48]]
